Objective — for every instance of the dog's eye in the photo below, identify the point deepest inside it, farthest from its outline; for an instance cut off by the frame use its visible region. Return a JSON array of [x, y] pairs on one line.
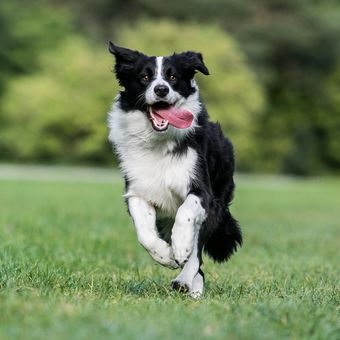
[[146, 77], [172, 77]]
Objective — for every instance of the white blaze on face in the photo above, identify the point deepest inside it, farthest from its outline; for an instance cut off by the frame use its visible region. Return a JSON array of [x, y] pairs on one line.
[[159, 69], [150, 95]]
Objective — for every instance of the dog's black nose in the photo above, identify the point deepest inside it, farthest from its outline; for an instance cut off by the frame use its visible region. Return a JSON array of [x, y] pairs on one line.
[[161, 90]]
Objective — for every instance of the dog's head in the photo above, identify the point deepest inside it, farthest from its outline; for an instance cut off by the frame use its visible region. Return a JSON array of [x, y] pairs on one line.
[[161, 87]]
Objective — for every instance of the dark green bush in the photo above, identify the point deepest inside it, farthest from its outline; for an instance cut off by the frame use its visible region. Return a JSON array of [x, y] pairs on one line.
[[59, 113]]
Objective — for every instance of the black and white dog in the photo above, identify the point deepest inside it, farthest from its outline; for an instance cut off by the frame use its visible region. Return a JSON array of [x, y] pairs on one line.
[[178, 166]]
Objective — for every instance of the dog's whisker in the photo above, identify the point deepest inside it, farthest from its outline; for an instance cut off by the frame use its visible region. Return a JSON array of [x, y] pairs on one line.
[[140, 100]]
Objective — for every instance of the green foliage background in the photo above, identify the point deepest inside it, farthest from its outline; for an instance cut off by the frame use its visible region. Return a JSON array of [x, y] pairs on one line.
[[59, 112], [274, 84]]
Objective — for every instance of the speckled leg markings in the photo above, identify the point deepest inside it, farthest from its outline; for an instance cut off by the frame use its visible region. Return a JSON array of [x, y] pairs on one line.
[[189, 218], [190, 279], [144, 217]]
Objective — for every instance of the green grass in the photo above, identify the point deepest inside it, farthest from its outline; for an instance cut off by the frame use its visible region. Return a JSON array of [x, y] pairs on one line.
[[71, 268]]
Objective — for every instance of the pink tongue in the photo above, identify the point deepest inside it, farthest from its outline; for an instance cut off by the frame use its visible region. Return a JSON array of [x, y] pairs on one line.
[[179, 118]]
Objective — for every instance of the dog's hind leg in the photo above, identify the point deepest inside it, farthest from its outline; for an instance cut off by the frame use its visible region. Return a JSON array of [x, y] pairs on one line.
[[197, 285], [144, 218]]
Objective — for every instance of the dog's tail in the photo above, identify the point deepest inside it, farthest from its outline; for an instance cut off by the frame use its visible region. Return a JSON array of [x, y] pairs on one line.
[[225, 239]]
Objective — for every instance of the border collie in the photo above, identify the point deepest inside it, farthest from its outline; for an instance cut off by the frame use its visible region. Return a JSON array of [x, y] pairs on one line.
[[178, 166]]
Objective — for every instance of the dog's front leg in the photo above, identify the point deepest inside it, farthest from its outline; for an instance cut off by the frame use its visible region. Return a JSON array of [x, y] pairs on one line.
[[189, 218], [144, 218], [191, 279]]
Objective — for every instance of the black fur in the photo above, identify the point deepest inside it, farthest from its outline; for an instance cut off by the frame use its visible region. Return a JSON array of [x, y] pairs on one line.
[[220, 234], [131, 66]]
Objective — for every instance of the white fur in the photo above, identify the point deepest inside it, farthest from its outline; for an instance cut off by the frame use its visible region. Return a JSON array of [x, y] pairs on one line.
[[137, 124], [189, 218], [184, 241], [150, 95], [197, 286], [154, 173], [144, 217], [188, 276], [163, 180]]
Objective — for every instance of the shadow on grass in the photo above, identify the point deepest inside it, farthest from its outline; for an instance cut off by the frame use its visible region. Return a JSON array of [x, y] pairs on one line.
[[51, 279]]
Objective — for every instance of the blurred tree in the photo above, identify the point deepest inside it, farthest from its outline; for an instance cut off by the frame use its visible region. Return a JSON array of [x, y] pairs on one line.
[[292, 44], [63, 106], [329, 122], [27, 28], [59, 113]]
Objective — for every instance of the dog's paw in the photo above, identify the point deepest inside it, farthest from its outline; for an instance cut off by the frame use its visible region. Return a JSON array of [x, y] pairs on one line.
[[194, 288], [182, 254], [162, 253], [196, 294], [171, 264], [196, 291], [180, 286]]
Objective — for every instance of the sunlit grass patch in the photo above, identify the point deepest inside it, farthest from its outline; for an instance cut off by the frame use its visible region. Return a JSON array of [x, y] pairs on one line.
[[71, 267]]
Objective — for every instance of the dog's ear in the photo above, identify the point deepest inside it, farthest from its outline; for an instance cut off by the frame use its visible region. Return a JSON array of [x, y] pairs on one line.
[[123, 54], [125, 60], [194, 61]]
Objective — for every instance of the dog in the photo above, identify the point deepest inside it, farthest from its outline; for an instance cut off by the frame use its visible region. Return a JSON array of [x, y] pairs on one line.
[[177, 165]]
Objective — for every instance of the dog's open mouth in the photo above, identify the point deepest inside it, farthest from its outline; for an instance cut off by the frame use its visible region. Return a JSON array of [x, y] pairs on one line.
[[162, 114], [159, 123]]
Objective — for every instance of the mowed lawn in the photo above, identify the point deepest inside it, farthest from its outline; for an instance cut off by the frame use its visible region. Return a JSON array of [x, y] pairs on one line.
[[71, 268]]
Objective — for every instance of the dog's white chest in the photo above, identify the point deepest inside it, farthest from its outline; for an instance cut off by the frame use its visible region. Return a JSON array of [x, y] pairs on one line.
[[161, 179], [154, 173]]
